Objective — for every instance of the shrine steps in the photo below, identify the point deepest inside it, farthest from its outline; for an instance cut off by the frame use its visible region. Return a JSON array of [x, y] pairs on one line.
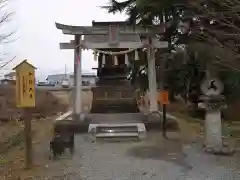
[[118, 132]]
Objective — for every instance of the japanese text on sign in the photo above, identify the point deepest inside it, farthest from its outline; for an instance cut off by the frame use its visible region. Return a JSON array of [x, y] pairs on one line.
[[25, 85]]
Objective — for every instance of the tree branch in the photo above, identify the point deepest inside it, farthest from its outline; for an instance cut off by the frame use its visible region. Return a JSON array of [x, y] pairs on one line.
[[5, 17]]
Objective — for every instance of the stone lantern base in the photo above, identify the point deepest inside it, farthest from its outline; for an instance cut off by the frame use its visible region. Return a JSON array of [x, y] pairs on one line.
[[213, 125], [223, 150]]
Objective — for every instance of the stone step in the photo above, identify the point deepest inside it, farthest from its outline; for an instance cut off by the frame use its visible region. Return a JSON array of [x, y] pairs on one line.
[[116, 135], [116, 118], [119, 131]]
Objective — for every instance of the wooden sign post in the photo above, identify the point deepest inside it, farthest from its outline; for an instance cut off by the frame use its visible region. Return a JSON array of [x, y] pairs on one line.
[[25, 99], [164, 100]]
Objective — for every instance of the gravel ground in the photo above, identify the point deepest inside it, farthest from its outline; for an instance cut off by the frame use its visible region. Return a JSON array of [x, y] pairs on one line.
[[152, 159]]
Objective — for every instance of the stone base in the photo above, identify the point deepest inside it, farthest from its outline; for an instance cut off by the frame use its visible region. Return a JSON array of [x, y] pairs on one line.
[[114, 106], [71, 126], [223, 150], [78, 117]]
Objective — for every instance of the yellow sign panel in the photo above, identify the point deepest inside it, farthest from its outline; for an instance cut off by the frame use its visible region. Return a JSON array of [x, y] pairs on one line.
[[25, 85]]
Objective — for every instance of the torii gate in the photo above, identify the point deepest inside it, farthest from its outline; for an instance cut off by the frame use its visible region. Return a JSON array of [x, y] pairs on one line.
[[107, 35]]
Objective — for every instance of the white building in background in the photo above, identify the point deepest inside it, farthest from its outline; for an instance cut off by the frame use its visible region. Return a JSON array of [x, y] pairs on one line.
[[57, 78], [88, 79], [10, 76]]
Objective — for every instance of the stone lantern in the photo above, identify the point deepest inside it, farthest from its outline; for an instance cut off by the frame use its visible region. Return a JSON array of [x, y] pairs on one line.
[[213, 103]]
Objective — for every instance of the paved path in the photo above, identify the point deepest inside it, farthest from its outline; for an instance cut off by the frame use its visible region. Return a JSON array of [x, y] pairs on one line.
[[153, 159]]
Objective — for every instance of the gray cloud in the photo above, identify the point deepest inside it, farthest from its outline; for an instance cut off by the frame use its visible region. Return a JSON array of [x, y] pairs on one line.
[[39, 39]]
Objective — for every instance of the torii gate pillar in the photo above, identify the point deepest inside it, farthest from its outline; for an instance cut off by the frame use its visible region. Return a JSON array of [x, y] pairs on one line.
[[77, 96], [152, 80]]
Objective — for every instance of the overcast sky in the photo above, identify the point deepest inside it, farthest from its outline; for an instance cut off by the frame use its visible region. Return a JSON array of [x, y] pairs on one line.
[[38, 39]]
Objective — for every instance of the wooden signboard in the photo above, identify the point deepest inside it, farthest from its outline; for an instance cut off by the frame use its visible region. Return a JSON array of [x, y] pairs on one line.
[[25, 85], [25, 99]]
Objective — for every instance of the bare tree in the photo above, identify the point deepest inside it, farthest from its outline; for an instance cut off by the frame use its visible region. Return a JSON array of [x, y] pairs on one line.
[[5, 17], [5, 35]]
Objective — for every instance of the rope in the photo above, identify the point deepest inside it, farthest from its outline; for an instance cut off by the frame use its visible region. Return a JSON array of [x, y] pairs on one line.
[[110, 52]]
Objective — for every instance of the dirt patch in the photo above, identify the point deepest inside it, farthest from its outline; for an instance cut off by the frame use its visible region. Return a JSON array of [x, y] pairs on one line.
[[158, 148], [12, 141], [11, 117], [46, 105], [11, 128], [12, 162]]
